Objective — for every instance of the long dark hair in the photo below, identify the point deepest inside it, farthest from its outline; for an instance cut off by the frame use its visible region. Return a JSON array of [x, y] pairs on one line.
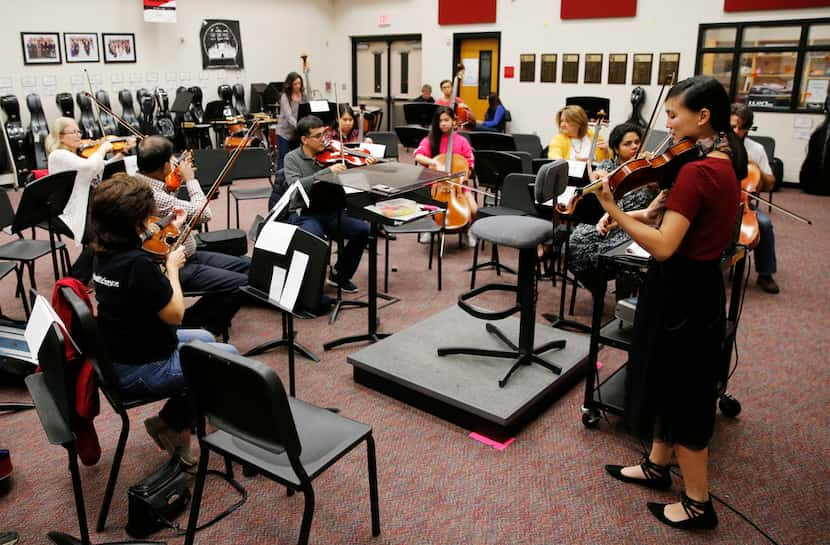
[[699, 92], [619, 132], [493, 102], [289, 82], [343, 109], [435, 133]]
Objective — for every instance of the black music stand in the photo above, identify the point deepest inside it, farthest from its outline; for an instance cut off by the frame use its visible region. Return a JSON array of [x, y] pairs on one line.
[[378, 182], [327, 117], [591, 105], [419, 113], [278, 255]]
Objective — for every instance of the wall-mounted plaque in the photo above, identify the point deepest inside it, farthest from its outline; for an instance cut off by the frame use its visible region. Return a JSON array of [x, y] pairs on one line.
[[527, 67], [669, 64], [617, 67], [570, 68], [593, 68], [548, 71], [641, 69]]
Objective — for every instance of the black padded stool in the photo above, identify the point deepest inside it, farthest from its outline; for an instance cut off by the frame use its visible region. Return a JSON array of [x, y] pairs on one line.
[[525, 234]]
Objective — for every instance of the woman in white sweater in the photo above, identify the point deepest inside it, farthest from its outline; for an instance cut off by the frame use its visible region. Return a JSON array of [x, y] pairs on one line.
[[62, 144]]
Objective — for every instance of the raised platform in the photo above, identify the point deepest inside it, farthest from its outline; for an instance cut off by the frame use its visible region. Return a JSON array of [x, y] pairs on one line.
[[464, 389]]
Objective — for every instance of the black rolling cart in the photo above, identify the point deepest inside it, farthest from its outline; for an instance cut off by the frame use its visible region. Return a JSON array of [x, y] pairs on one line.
[[609, 395]]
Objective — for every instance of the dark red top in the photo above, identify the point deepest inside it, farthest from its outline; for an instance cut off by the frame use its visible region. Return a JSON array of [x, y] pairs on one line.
[[707, 193]]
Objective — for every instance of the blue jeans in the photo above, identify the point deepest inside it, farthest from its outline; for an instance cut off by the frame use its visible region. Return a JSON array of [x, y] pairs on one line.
[[351, 229], [284, 147], [765, 262], [164, 378]]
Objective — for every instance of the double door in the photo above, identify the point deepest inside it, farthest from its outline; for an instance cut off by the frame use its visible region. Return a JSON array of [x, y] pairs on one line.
[[386, 74]]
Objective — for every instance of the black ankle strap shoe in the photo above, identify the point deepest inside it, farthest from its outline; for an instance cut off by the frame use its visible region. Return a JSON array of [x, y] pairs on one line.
[[701, 514], [656, 476]]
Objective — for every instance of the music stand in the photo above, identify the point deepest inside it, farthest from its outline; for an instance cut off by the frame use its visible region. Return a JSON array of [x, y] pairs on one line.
[[327, 117], [256, 102], [419, 113], [591, 105], [288, 270], [181, 104], [214, 111]]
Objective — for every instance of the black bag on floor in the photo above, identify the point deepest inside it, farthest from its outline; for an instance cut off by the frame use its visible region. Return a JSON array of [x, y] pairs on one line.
[[157, 500]]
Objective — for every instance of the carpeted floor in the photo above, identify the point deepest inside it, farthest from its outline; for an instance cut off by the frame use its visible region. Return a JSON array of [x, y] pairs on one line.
[[437, 486]]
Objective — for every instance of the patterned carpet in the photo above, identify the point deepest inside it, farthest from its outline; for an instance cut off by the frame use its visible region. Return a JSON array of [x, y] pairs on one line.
[[437, 486]]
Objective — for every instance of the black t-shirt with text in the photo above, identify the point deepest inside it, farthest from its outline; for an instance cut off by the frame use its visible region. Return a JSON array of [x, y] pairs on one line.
[[131, 290]]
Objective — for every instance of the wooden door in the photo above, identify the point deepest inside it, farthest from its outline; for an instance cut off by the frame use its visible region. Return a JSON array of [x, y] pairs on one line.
[[480, 57]]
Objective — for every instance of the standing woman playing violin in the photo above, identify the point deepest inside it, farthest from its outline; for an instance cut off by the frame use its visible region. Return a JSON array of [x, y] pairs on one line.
[[293, 92], [676, 356], [574, 139], [139, 307], [435, 143]]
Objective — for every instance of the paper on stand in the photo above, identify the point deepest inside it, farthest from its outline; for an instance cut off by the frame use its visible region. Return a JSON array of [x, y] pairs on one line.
[[576, 169], [296, 272], [318, 105], [277, 283], [378, 150], [275, 237], [636, 250], [41, 319], [565, 197], [286, 198]]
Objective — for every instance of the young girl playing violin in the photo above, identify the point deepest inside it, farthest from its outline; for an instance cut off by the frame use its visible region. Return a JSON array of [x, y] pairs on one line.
[[346, 125], [139, 307], [435, 143], [574, 139], [676, 360]]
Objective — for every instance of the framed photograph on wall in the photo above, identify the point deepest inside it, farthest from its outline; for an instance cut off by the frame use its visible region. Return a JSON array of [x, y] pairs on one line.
[[41, 47], [221, 43], [81, 47], [118, 47]]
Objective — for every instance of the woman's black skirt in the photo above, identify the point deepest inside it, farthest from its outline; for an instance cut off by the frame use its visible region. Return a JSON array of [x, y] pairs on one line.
[[677, 357]]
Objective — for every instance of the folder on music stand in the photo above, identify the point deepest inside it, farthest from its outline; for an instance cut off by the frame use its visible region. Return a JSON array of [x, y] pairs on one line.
[[182, 102]]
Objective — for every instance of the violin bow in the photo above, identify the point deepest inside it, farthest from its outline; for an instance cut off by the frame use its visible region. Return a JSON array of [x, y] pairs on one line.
[[115, 116], [97, 109], [779, 208], [339, 127], [653, 117]]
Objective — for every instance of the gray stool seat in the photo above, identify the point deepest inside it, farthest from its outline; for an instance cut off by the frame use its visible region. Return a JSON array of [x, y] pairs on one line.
[[513, 231]]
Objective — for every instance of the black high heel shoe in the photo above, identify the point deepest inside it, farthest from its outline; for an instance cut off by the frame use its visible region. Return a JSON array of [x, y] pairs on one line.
[[701, 514], [656, 476]]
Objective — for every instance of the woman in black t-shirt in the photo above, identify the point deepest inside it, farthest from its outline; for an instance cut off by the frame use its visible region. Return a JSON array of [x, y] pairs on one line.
[[676, 359], [139, 308]]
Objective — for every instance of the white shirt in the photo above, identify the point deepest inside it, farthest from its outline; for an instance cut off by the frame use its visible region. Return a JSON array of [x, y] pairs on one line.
[[89, 172], [579, 148], [758, 155]]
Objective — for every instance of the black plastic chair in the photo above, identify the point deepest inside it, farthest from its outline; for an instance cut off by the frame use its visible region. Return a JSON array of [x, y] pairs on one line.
[[529, 143], [485, 140], [41, 202], [258, 425], [388, 139], [86, 335], [52, 395], [410, 136], [775, 163]]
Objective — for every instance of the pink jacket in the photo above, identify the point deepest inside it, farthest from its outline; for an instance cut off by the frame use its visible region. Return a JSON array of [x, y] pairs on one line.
[[460, 145]]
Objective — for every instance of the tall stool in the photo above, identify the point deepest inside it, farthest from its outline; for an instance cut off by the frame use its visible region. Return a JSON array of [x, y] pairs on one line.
[[524, 233]]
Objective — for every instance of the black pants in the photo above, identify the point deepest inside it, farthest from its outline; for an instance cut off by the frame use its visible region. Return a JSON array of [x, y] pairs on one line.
[[211, 271]]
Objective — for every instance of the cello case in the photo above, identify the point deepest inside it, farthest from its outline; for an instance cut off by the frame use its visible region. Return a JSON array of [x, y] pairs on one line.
[[89, 126], [815, 171], [66, 105], [164, 123], [638, 98], [107, 121], [16, 135], [38, 131], [127, 112]]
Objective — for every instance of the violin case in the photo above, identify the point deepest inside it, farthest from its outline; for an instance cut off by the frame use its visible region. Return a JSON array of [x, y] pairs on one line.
[[225, 241]]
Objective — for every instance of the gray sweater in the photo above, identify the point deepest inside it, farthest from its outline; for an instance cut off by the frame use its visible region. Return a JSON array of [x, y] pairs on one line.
[[299, 166]]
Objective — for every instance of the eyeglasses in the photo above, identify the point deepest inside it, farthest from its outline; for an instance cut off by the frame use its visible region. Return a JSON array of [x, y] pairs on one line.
[[318, 136], [76, 131]]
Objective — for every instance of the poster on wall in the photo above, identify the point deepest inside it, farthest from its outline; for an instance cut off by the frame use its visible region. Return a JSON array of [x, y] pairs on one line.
[[221, 44], [159, 11], [755, 5], [81, 47], [40, 48]]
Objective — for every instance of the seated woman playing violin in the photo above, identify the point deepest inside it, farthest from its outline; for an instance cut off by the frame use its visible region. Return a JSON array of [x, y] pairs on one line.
[[325, 213], [346, 125], [587, 241], [574, 139], [436, 142], [139, 307]]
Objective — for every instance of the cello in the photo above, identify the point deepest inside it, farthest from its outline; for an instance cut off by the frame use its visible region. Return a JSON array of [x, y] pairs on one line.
[[459, 213]]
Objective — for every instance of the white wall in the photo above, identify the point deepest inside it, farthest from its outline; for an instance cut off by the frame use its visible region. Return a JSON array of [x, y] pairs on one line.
[[534, 26], [274, 32]]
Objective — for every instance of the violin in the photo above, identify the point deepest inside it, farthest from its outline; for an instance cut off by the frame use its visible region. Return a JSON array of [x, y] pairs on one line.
[[635, 173], [158, 244], [89, 146], [750, 233], [458, 214], [351, 157], [173, 180]]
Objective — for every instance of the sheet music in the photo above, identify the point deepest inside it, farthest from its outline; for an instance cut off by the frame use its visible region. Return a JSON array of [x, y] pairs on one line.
[[294, 281], [378, 150], [565, 197], [277, 283], [636, 250], [318, 105], [576, 169], [286, 198], [275, 237], [41, 319]]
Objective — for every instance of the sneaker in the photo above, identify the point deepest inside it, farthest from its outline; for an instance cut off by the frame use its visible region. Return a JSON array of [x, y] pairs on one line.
[[767, 283], [9, 538], [423, 238], [345, 285]]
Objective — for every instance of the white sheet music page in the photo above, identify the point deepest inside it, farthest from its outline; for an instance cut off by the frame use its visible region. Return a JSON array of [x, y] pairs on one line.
[[636, 250], [565, 197], [576, 169], [275, 237]]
